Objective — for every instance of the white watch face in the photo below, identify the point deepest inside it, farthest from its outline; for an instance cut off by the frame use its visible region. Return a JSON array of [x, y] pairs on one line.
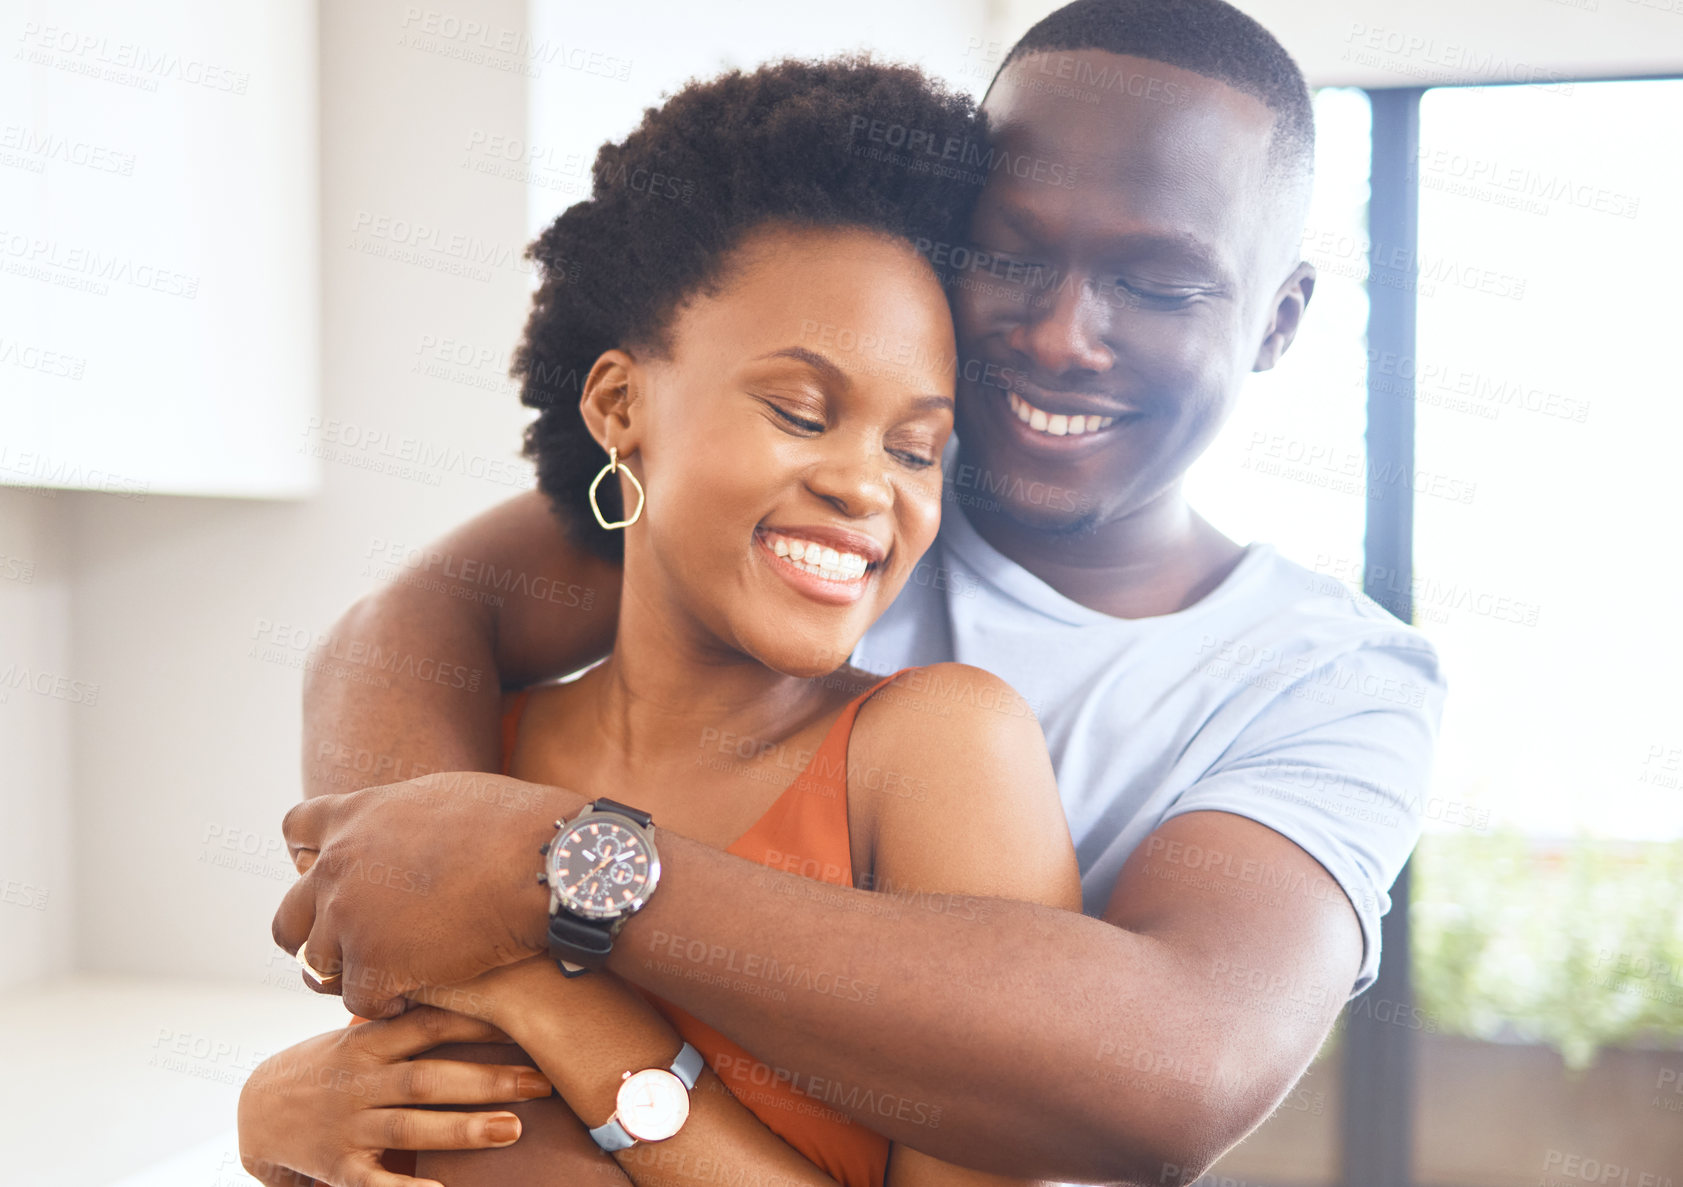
[[653, 1105]]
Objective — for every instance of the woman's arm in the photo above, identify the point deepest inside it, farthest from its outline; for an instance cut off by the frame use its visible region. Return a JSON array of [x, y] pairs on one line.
[[964, 805], [554, 1146], [326, 1108], [585, 1032], [506, 600]]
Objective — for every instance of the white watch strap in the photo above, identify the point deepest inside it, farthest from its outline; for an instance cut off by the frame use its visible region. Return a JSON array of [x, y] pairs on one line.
[[611, 1135]]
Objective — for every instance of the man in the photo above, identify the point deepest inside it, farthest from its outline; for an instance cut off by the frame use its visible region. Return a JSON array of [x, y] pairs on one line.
[[1241, 753]]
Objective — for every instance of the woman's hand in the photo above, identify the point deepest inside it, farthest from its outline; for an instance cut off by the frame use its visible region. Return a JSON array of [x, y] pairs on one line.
[[327, 1107], [503, 997]]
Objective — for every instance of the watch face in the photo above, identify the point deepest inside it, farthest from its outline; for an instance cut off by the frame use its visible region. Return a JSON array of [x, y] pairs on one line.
[[653, 1105], [601, 869]]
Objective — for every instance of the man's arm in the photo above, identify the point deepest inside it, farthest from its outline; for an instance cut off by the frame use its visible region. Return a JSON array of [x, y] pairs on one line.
[[506, 600], [1001, 1035], [1052, 1044]]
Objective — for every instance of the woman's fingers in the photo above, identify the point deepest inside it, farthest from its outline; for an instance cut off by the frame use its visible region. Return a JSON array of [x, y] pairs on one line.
[[448, 1082], [421, 1028], [423, 1129], [364, 1170]]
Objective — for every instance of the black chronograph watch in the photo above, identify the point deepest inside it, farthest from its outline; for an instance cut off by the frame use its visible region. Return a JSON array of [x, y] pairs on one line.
[[601, 869]]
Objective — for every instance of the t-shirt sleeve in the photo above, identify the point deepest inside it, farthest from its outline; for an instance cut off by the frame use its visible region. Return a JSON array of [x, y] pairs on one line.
[[1339, 761]]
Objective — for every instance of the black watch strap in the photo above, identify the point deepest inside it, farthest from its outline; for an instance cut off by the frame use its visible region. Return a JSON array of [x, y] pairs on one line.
[[580, 943], [641, 819]]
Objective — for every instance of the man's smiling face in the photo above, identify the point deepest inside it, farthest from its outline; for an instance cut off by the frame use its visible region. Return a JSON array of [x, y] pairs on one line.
[[1139, 295]]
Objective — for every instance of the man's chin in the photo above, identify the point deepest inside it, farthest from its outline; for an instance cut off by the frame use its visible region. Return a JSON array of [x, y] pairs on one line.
[[1038, 516]]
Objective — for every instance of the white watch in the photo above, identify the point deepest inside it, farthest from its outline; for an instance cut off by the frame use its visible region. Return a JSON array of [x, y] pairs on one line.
[[653, 1104]]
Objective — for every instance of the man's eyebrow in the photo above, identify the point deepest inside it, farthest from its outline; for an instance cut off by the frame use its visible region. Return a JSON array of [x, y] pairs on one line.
[[829, 370], [1184, 243]]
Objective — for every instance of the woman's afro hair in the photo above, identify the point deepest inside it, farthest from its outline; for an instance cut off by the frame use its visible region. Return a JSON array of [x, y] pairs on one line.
[[841, 143]]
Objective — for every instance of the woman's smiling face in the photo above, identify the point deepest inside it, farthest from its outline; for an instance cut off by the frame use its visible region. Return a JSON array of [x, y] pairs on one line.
[[789, 438]]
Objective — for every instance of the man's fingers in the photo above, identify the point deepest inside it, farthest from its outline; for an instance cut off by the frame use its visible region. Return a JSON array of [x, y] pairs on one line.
[[421, 1029], [325, 970], [296, 915], [307, 822], [448, 1082], [370, 993], [423, 1129]]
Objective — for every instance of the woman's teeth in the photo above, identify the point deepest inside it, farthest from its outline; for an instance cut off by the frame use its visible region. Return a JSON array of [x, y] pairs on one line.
[[1056, 425], [817, 559]]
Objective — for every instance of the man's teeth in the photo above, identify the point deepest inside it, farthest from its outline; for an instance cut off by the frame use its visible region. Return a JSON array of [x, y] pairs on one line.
[[818, 559], [1056, 425]]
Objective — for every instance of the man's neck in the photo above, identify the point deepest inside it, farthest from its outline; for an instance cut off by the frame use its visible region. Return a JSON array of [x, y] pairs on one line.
[[1155, 560]]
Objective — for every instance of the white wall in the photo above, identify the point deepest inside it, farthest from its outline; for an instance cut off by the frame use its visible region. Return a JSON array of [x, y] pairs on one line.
[[158, 288], [193, 755], [1388, 43], [42, 694]]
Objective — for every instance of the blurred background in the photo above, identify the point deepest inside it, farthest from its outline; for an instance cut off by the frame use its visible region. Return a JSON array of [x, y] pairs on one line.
[[260, 276]]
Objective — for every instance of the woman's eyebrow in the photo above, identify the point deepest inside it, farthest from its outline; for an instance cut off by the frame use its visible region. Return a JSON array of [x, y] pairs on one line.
[[811, 358], [830, 371]]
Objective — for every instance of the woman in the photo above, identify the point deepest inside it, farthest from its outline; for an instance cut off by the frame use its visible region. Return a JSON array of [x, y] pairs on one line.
[[765, 362]]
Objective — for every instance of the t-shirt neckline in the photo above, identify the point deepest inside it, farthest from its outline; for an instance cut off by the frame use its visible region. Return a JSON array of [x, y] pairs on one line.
[[1005, 574]]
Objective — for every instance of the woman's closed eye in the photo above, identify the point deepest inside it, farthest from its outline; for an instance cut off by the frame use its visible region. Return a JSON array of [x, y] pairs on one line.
[[800, 422]]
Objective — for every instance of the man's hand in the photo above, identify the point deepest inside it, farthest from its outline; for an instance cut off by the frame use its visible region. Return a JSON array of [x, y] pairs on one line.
[[419, 884], [326, 1108]]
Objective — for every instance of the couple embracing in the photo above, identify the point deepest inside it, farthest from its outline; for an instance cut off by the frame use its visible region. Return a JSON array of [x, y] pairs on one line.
[[942, 800]]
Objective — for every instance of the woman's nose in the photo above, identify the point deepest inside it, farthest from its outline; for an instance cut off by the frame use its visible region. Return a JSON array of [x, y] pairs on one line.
[[852, 479]]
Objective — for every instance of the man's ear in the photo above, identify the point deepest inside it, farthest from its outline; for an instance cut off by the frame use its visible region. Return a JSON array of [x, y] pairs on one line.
[[1289, 303], [611, 392]]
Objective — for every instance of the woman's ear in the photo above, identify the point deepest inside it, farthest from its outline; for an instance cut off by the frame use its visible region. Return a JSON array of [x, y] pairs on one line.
[[609, 403]]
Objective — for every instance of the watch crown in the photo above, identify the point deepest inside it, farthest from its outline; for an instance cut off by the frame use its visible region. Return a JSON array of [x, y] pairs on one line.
[[544, 849]]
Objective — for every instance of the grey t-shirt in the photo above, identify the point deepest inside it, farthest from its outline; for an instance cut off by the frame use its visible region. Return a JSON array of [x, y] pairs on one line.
[[1281, 696]]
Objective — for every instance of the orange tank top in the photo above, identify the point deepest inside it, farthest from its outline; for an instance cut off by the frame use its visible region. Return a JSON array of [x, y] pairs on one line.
[[805, 832]]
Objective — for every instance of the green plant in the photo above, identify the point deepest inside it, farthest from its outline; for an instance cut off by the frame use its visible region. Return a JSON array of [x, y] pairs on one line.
[[1575, 944]]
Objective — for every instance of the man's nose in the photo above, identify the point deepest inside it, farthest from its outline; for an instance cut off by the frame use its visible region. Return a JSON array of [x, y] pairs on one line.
[[1064, 330]]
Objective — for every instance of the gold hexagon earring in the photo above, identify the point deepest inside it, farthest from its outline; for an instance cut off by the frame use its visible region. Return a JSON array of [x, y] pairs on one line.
[[611, 467]]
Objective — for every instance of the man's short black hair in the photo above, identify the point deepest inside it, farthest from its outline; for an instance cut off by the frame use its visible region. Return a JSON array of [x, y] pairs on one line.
[[1207, 37]]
